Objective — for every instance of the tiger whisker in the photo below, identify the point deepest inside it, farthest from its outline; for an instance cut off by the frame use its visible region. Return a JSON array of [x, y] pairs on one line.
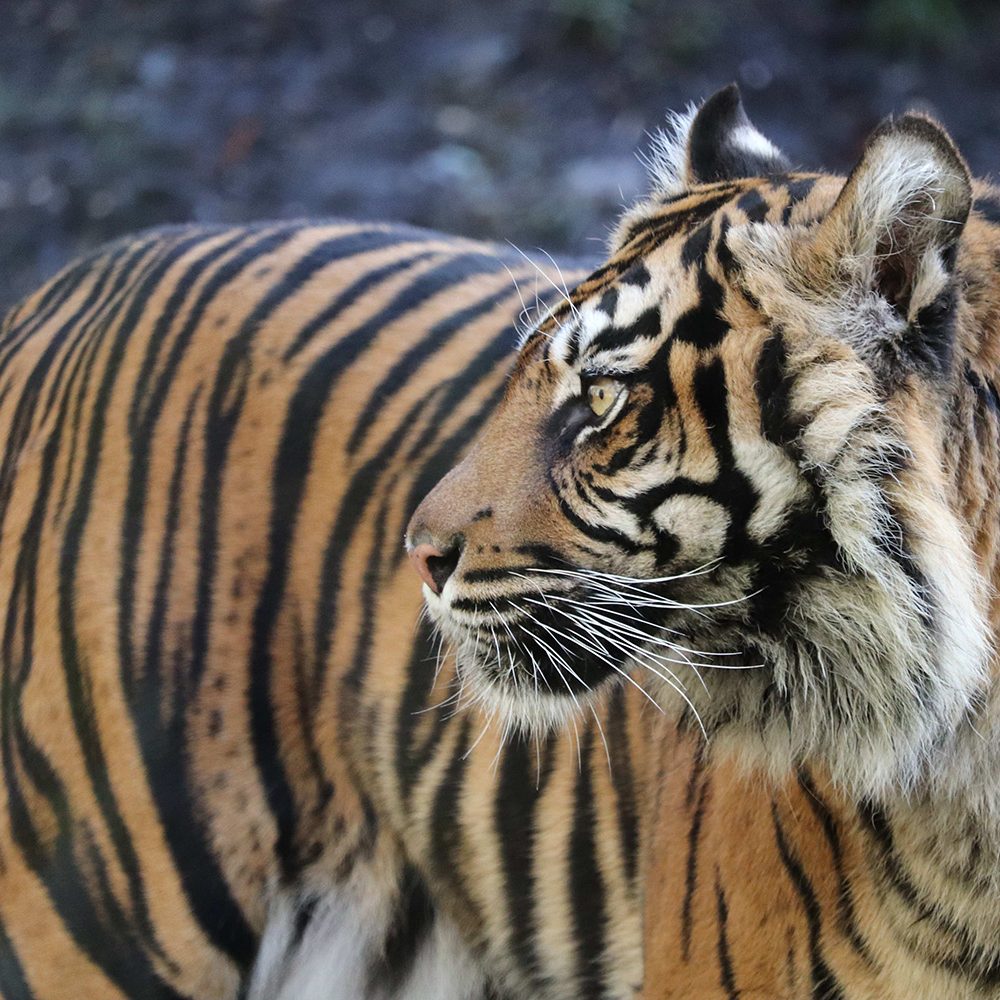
[[639, 655], [632, 585], [526, 311], [619, 578], [562, 279], [562, 291], [595, 618], [512, 672], [441, 704], [607, 752], [579, 748], [605, 610], [559, 633], [504, 733]]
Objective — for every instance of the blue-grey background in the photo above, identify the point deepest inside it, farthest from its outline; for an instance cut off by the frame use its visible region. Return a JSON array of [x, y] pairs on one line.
[[515, 120]]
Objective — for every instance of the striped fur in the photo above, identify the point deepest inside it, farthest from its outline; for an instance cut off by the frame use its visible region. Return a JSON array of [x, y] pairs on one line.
[[234, 765], [223, 738]]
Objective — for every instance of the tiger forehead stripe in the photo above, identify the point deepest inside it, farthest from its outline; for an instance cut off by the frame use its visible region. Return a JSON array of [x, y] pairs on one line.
[[681, 214]]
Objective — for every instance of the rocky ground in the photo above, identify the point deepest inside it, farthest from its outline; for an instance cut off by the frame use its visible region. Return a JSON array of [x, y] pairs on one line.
[[515, 120]]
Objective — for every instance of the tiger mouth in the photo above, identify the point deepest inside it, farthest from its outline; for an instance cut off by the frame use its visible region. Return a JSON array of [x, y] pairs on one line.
[[570, 633]]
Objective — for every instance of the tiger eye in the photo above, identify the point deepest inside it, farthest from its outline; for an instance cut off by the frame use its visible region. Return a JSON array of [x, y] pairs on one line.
[[601, 394]]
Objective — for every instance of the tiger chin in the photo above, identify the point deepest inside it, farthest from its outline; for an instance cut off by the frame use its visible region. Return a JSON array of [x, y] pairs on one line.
[[739, 466]]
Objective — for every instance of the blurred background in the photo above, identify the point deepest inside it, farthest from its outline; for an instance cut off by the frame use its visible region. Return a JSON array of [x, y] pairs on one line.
[[512, 120]]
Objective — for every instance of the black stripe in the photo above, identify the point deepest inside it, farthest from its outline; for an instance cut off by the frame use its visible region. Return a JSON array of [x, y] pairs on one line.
[[703, 325], [691, 868], [430, 469], [774, 385], [845, 894], [824, 982], [58, 292], [496, 353], [291, 470], [405, 367], [972, 962], [24, 412], [623, 780], [798, 190], [149, 397], [53, 857], [205, 885], [445, 826], [75, 669], [587, 891], [753, 205], [727, 980], [695, 248], [646, 326], [352, 292], [595, 532], [27, 567], [658, 228], [13, 981], [523, 780], [411, 924], [409, 759]]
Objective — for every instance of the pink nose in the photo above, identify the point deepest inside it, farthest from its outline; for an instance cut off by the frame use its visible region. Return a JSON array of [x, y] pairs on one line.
[[421, 557]]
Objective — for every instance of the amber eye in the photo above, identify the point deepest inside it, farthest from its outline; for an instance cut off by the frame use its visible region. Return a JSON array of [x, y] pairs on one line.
[[602, 393]]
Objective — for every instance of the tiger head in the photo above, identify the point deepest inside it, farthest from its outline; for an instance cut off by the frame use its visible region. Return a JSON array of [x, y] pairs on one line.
[[726, 466]]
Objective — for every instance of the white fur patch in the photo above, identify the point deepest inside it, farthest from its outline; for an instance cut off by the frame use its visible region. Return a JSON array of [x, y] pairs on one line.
[[343, 944], [748, 139]]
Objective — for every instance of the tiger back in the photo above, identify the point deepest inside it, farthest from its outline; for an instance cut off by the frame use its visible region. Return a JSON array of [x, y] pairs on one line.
[[220, 722]]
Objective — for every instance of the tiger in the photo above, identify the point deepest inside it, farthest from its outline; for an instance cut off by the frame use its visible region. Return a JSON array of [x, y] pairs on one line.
[[237, 762], [756, 454]]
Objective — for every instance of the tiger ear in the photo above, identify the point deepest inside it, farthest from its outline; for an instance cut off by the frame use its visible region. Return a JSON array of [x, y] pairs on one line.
[[895, 226], [722, 143], [713, 142], [876, 271]]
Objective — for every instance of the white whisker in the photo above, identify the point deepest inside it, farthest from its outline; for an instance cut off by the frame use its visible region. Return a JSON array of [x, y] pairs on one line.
[[607, 752]]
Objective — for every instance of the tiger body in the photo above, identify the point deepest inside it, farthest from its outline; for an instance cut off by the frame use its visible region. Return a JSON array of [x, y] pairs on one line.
[[212, 678], [234, 764]]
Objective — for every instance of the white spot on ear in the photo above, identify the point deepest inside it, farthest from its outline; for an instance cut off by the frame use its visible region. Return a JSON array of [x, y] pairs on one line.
[[749, 140]]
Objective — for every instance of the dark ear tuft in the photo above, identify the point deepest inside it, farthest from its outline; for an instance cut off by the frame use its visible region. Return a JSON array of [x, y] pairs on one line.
[[723, 144]]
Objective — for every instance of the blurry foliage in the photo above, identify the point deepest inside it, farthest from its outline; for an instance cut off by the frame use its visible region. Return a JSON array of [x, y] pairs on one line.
[[517, 119], [637, 29], [601, 22], [916, 25]]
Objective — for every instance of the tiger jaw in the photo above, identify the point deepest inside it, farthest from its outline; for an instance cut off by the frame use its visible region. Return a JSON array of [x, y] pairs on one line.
[[538, 659]]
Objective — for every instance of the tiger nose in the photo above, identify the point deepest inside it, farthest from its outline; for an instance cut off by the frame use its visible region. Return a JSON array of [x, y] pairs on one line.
[[433, 565]]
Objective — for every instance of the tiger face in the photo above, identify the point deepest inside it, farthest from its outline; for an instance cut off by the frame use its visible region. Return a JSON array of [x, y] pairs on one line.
[[721, 467]]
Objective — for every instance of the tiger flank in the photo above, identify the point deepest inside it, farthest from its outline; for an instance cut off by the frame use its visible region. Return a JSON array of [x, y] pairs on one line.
[[750, 464], [235, 763]]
